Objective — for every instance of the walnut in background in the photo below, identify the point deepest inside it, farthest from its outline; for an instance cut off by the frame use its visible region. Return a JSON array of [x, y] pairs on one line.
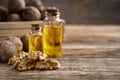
[[3, 13], [14, 17], [15, 6], [31, 14]]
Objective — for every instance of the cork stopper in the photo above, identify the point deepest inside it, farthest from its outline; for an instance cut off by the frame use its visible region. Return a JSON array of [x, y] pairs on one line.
[[52, 10], [35, 26]]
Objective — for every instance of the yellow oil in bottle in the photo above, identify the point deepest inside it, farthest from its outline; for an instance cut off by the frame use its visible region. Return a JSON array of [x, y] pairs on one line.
[[52, 41], [35, 42]]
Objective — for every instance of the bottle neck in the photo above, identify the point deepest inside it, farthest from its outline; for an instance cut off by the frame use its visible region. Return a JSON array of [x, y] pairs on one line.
[[52, 17], [36, 29]]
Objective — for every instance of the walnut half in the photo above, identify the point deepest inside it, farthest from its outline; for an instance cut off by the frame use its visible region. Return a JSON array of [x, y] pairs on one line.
[[34, 60]]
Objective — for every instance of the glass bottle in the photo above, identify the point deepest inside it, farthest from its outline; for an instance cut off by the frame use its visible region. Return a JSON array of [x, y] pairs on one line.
[[35, 38], [52, 33]]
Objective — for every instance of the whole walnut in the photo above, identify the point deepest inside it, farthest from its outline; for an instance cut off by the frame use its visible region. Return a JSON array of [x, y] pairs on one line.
[[24, 40], [17, 42], [31, 14], [7, 50], [3, 13], [36, 3], [14, 17], [16, 6]]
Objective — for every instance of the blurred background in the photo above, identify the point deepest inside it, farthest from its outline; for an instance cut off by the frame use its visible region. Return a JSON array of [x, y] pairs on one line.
[[86, 11]]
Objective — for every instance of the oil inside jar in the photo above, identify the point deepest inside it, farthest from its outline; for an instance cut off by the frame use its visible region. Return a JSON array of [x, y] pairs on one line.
[[35, 43], [52, 41], [35, 39]]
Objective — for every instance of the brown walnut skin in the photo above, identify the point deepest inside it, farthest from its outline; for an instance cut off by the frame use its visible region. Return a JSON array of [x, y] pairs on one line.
[[15, 6], [7, 50], [3, 13], [31, 14], [24, 40], [16, 41], [14, 17], [38, 4]]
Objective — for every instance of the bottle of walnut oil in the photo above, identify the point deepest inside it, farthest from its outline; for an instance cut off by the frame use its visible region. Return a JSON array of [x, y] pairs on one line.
[[35, 38], [52, 33]]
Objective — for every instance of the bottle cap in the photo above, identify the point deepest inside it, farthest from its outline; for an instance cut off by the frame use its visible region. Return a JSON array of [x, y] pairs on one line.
[[52, 10], [35, 26]]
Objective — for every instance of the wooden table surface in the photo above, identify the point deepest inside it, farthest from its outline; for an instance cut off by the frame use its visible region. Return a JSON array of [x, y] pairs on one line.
[[89, 53]]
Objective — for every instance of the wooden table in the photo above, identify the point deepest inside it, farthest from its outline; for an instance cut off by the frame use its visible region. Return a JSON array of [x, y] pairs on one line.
[[89, 53]]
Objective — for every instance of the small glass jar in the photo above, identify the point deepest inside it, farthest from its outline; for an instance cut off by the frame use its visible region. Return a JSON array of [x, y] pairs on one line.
[[35, 38], [52, 33]]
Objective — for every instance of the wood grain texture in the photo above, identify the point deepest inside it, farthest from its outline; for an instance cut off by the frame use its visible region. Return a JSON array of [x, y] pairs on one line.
[[89, 53], [16, 28]]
